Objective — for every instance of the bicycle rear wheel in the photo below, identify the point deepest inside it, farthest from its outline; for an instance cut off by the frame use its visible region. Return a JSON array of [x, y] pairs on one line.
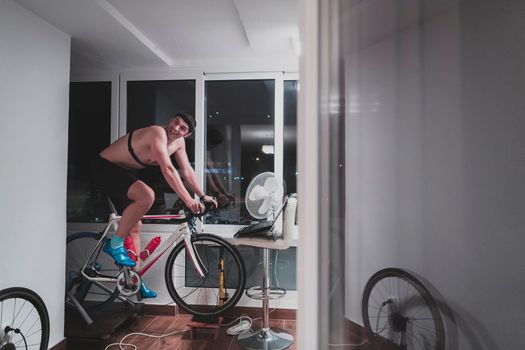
[[90, 294], [24, 321], [397, 308], [222, 285]]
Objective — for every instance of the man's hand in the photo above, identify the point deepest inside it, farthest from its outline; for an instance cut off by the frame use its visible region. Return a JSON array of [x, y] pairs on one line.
[[209, 199], [195, 206]]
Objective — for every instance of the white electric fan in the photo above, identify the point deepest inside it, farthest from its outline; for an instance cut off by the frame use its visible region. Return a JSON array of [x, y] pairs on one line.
[[264, 195]]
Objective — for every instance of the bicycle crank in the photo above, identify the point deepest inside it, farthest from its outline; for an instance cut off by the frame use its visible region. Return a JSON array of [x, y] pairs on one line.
[[128, 282]]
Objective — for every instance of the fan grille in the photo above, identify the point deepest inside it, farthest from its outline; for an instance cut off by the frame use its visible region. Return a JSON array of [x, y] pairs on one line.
[[264, 195]]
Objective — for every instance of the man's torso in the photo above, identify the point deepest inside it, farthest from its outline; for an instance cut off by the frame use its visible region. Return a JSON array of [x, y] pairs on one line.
[[142, 140]]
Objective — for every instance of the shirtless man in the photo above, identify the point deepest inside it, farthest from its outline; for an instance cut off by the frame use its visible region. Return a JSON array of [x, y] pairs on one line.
[[113, 172]]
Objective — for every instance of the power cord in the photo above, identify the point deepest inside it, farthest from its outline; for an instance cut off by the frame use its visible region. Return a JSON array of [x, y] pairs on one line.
[[121, 343]]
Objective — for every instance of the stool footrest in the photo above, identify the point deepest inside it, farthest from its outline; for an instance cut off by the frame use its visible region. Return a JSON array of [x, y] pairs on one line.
[[257, 293]]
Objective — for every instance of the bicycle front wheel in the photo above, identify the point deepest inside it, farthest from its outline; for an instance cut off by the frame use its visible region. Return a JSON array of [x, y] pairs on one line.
[[220, 288], [397, 308], [24, 321]]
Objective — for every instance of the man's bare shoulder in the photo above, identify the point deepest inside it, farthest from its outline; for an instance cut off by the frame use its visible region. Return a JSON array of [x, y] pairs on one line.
[[155, 131]]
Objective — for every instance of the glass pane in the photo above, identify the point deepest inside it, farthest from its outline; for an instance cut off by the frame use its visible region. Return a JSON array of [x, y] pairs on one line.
[[239, 122], [422, 105], [89, 132], [290, 135], [154, 103], [282, 267]]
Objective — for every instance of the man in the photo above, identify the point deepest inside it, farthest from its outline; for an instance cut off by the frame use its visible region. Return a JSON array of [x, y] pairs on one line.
[[113, 172]]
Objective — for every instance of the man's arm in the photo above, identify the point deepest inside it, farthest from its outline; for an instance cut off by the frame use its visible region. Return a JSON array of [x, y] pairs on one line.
[[160, 154], [188, 174]]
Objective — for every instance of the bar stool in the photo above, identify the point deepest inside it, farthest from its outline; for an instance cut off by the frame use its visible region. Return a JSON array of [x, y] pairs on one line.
[[266, 338]]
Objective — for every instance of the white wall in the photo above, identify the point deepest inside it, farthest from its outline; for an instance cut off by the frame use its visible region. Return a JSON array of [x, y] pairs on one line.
[[435, 159], [34, 85]]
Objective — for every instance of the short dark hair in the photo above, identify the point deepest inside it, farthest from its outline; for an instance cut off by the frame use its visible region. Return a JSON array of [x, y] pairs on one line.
[[188, 118]]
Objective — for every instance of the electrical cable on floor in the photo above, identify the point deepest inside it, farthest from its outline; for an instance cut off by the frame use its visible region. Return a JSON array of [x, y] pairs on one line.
[[121, 343]]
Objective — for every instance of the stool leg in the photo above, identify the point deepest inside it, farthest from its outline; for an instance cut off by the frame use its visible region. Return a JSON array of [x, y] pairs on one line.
[[266, 285], [265, 338]]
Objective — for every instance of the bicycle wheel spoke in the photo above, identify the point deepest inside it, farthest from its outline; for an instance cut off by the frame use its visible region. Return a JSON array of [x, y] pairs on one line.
[[33, 325], [385, 290], [423, 328], [193, 291], [14, 309], [29, 313], [420, 340], [375, 300], [199, 295]]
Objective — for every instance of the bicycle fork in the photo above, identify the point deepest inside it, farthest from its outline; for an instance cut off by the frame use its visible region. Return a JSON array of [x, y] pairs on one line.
[[195, 259]]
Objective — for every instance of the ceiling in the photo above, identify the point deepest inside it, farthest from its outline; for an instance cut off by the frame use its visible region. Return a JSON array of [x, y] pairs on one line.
[[160, 34]]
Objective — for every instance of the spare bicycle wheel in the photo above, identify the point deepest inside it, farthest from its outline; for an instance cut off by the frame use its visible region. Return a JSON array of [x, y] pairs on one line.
[[398, 309], [24, 321]]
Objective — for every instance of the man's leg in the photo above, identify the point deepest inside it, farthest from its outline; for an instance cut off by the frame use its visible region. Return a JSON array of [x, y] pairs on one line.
[[142, 197], [135, 236]]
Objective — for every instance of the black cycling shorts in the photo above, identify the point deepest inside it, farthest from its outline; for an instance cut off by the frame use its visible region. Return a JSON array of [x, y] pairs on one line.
[[113, 180]]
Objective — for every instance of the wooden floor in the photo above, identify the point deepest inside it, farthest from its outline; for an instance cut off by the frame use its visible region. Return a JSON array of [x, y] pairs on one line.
[[348, 337], [160, 325]]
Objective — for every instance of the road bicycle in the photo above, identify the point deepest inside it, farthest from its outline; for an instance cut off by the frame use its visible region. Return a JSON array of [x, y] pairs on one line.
[[204, 274], [24, 321]]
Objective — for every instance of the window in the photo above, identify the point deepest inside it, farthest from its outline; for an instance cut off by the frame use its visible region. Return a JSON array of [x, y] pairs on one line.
[[89, 133], [240, 122], [242, 130], [155, 103]]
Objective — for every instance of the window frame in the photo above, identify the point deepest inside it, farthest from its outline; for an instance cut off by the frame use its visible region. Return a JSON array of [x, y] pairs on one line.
[[113, 78], [119, 124], [227, 231]]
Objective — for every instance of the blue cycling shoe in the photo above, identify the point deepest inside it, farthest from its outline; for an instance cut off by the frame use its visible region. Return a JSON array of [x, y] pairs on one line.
[[120, 255], [146, 292]]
